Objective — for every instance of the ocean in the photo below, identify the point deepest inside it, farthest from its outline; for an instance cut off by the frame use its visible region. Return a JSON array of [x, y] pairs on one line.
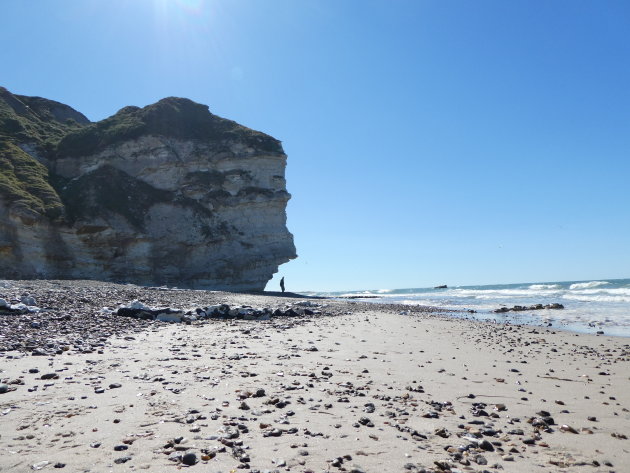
[[589, 306]]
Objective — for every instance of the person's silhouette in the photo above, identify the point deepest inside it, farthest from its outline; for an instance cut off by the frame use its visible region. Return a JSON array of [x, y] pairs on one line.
[[282, 284]]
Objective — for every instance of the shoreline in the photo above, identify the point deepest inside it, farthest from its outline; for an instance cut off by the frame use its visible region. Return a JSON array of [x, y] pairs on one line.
[[358, 387], [588, 306]]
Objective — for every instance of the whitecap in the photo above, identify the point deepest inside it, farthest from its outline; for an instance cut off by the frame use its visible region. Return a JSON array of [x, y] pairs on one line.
[[588, 285], [596, 298], [541, 287]]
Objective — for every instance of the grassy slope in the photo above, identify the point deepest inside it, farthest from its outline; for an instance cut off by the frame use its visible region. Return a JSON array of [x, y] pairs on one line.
[[24, 181], [41, 123]]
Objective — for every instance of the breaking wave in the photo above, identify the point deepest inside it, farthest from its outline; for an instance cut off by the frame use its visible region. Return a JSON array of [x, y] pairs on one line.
[[587, 303], [588, 285], [539, 287]]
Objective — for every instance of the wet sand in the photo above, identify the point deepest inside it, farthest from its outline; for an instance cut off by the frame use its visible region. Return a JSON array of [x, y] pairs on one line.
[[357, 387]]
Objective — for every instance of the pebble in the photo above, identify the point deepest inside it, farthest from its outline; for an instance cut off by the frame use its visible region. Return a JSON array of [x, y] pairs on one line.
[[28, 300], [39, 465], [189, 459], [237, 355], [568, 428], [357, 469]]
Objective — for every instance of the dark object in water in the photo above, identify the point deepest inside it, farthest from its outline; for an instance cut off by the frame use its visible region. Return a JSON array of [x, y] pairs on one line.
[[444, 286], [520, 308]]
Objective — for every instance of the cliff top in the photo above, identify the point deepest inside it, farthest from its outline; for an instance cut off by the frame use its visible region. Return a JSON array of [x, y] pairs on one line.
[[52, 130], [36, 120], [172, 117]]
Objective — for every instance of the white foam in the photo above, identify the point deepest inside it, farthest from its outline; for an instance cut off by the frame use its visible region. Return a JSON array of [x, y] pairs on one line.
[[619, 291], [539, 287], [596, 298], [588, 285], [499, 293]]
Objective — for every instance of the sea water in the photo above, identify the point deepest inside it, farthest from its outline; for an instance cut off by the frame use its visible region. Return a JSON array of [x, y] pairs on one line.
[[590, 306]]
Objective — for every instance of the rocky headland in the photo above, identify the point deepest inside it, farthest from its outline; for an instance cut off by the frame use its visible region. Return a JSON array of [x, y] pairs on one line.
[[165, 194]]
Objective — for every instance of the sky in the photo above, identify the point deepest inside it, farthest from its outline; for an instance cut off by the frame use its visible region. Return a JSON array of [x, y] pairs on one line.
[[428, 142]]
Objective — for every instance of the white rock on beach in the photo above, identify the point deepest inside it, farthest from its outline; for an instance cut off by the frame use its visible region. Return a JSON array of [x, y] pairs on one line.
[[28, 300], [138, 305]]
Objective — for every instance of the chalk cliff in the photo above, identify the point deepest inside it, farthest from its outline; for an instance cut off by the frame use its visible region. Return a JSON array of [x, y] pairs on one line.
[[165, 194]]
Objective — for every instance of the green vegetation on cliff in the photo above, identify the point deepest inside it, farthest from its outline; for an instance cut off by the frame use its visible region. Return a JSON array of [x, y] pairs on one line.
[[173, 117], [37, 121], [39, 124], [24, 182], [34, 131]]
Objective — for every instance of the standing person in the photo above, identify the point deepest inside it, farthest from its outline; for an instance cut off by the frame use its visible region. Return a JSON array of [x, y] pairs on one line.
[[282, 284]]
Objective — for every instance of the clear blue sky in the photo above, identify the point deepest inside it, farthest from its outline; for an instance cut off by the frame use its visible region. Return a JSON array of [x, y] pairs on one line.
[[429, 142]]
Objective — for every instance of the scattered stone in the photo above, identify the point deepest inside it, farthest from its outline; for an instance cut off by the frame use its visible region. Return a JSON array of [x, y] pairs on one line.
[[519, 308], [568, 428], [189, 459], [49, 376]]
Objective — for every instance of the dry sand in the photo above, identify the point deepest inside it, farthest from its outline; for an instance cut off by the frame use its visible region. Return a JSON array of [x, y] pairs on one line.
[[365, 390]]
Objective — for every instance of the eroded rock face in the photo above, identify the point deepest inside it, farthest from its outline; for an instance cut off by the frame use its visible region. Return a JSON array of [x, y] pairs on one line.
[[167, 194]]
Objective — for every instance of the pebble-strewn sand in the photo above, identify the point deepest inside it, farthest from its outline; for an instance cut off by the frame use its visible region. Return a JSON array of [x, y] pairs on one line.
[[356, 388]]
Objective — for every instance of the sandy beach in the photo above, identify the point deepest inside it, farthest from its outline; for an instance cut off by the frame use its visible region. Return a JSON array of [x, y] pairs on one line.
[[352, 387]]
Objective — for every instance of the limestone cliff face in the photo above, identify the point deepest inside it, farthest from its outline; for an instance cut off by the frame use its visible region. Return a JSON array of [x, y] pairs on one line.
[[166, 194]]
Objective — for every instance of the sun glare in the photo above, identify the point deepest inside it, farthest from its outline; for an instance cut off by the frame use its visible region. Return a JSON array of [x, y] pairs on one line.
[[193, 6], [182, 10]]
